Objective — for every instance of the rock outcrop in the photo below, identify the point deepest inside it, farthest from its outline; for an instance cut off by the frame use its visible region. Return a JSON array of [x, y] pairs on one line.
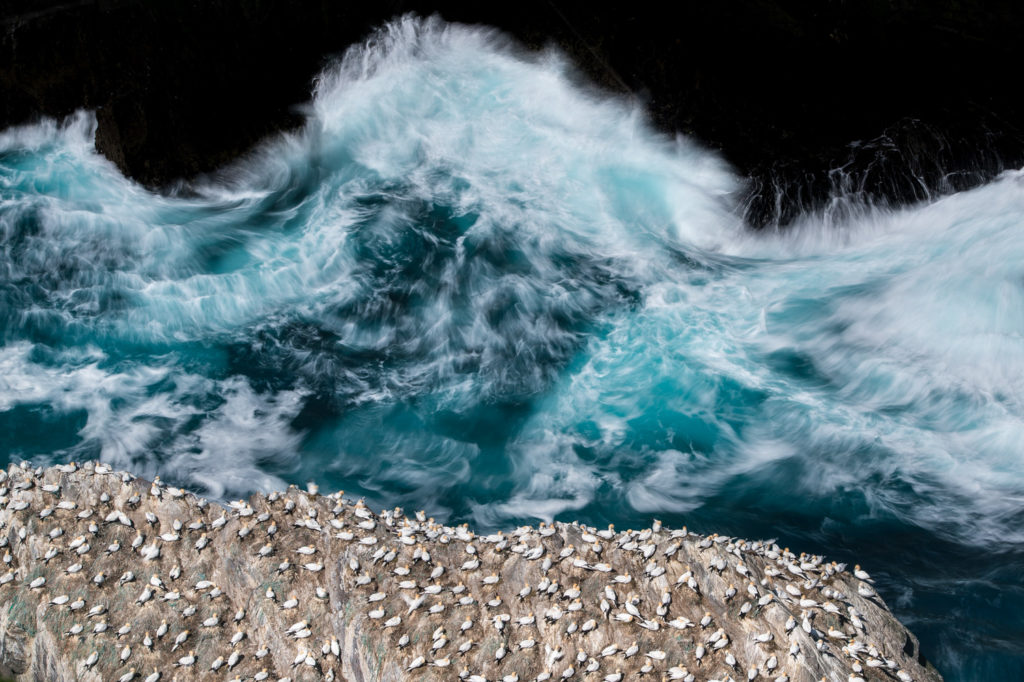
[[108, 577]]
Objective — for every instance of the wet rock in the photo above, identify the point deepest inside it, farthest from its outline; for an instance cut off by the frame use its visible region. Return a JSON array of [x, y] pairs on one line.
[[104, 573]]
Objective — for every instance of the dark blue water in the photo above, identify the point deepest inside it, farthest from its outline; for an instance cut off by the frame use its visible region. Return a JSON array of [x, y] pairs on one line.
[[470, 286]]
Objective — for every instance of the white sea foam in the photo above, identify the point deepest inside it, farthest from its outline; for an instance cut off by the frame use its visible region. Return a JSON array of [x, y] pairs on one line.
[[225, 456], [460, 229], [912, 326]]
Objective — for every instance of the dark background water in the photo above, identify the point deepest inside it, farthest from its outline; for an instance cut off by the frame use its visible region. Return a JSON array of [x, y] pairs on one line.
[[908, 97]]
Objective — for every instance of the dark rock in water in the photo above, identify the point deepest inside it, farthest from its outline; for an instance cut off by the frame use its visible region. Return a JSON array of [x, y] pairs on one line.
[[782, 87], [107, 577]]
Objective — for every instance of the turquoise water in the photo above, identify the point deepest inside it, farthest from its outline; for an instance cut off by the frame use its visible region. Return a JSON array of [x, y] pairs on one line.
[[473, 286]]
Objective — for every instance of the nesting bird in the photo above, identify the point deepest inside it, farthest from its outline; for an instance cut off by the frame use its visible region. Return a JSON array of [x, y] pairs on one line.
[[399, 578]]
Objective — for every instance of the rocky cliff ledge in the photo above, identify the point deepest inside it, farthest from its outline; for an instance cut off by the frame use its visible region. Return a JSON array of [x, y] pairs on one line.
[[108, 577]]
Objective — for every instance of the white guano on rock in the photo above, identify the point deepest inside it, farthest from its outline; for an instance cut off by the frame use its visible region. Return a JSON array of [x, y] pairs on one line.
[[301, 586]]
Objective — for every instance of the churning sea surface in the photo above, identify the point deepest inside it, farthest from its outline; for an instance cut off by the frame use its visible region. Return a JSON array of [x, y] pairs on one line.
[[472, 284]]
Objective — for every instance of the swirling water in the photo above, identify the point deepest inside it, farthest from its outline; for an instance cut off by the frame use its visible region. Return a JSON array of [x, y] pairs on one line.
[[471, 285]]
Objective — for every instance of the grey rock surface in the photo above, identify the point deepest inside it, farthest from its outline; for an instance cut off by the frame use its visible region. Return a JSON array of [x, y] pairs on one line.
[[109, 577]]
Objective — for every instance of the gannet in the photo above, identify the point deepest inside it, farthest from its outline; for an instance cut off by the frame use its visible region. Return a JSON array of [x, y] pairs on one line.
[[865, 590], [186, 661], [162, 629], [180, 639], [861, 574], [91, 660]]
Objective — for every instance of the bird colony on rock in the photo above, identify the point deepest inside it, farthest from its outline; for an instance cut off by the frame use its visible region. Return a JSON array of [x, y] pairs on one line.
[[108, 577]]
